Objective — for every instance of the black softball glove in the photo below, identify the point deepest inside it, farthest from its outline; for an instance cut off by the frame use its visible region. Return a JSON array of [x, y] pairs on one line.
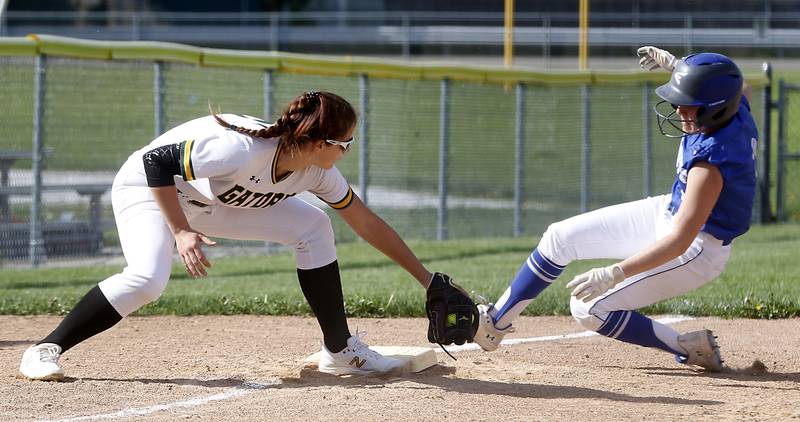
[[452, 314]]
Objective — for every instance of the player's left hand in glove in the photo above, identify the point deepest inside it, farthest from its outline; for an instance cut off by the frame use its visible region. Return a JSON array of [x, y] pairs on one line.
[[595, 282], [652, 58], [452, 314]]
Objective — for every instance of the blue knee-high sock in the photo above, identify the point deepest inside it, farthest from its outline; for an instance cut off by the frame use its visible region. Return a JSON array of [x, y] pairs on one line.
[[633, 327], [533, 276]]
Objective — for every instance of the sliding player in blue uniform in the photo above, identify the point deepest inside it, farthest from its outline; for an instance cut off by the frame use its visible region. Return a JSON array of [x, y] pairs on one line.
[[668, 245]]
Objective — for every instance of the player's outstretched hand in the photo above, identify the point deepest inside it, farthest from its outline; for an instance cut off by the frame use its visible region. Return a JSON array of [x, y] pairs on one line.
[[190, 249], [652, 58], [595, 282]]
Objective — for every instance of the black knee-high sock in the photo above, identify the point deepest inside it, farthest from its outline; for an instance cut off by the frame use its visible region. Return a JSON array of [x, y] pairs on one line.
[[322, 288], [91, 316]]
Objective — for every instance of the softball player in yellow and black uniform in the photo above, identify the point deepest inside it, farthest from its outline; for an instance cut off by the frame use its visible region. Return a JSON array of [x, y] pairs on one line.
[[236, 177]]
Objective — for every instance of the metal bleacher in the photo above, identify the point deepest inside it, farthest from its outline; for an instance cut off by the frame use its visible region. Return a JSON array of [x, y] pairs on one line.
[[287, 30]]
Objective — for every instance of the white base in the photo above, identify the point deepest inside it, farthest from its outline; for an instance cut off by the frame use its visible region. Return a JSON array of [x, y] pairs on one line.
[[418, 358]]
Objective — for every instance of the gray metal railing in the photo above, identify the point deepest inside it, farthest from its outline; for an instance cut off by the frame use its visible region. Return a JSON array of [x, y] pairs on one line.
[[286, 30]]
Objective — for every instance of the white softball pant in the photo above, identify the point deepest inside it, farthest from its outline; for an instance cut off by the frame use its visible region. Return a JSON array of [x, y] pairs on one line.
[[620, 231], [148, 244]]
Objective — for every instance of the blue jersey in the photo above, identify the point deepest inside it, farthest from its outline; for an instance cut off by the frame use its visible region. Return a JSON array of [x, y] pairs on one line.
[[732, 149]]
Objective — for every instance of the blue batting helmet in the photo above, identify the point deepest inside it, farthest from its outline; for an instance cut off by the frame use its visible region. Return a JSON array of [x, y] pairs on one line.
[[710, 81]]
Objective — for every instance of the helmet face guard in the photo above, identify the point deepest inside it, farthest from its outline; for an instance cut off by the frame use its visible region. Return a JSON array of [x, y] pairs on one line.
[[709, 81], [670, 123]]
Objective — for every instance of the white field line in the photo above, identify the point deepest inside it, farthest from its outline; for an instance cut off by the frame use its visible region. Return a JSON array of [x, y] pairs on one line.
[[242, 390], [511, 341], [251, 387]]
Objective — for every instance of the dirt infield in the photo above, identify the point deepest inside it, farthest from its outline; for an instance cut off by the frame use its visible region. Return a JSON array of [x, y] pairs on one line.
[[249, 368]]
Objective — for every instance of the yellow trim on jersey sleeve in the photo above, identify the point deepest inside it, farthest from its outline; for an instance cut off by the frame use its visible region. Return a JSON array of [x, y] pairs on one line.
[[275, 179], [186, 160], [344, 202], [275, 163]]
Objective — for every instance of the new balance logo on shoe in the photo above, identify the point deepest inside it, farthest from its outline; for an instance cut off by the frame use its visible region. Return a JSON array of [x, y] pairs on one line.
[[358, 363], [357, 359]]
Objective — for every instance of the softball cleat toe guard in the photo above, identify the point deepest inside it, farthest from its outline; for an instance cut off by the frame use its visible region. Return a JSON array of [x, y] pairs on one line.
[[701, 350], [488, 335]]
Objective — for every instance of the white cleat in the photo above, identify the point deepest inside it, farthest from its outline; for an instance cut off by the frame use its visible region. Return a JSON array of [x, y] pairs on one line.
[[701, 350], [358, 359], [488, 336], [40, 362]]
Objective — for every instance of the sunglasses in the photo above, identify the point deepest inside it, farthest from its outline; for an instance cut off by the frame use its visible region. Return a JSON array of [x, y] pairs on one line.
[[345, 145]]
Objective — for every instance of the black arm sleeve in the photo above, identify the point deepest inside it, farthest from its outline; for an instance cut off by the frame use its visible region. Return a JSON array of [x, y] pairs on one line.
[[161, 165]]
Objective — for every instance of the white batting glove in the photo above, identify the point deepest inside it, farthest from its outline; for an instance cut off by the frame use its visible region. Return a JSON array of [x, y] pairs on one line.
[[653, 58], [595, 282]]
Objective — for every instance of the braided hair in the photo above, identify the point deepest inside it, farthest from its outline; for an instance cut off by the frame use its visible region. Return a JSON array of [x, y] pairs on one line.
[[312, 116]]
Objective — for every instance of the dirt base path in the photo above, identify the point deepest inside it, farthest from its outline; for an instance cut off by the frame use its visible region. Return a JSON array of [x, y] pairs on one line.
[[250, 368]]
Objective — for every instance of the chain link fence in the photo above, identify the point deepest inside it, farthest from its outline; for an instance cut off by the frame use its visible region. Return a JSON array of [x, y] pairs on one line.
[[788, 153], [436, 158]]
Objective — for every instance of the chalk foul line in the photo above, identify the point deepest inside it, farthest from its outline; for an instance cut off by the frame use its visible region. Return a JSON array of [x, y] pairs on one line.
[[244, 389]]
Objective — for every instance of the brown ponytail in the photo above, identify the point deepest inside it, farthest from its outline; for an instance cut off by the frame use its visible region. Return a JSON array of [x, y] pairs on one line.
[[312, 116]]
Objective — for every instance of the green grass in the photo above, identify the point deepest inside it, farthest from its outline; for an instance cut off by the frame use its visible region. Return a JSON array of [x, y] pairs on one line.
[[761, 281]]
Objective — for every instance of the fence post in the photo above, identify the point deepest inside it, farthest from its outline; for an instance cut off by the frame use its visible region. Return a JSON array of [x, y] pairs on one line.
[[648, 141], [444, 100], [688, 34], [268, 89], [547, 29], [274, 31], [782, 102], [406, 25], [519, 174], [270, 247], [36, 241], [158, 98], [765, 155], [136, 27], [586, 156], [363, 138]]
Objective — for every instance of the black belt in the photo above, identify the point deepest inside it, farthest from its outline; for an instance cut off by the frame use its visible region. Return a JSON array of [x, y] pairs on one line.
[[197, 203]]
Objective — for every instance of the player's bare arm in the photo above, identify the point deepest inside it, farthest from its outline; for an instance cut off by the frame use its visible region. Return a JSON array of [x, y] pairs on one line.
[[703, 187], [188, 241], [382, 237], [443, 299]]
